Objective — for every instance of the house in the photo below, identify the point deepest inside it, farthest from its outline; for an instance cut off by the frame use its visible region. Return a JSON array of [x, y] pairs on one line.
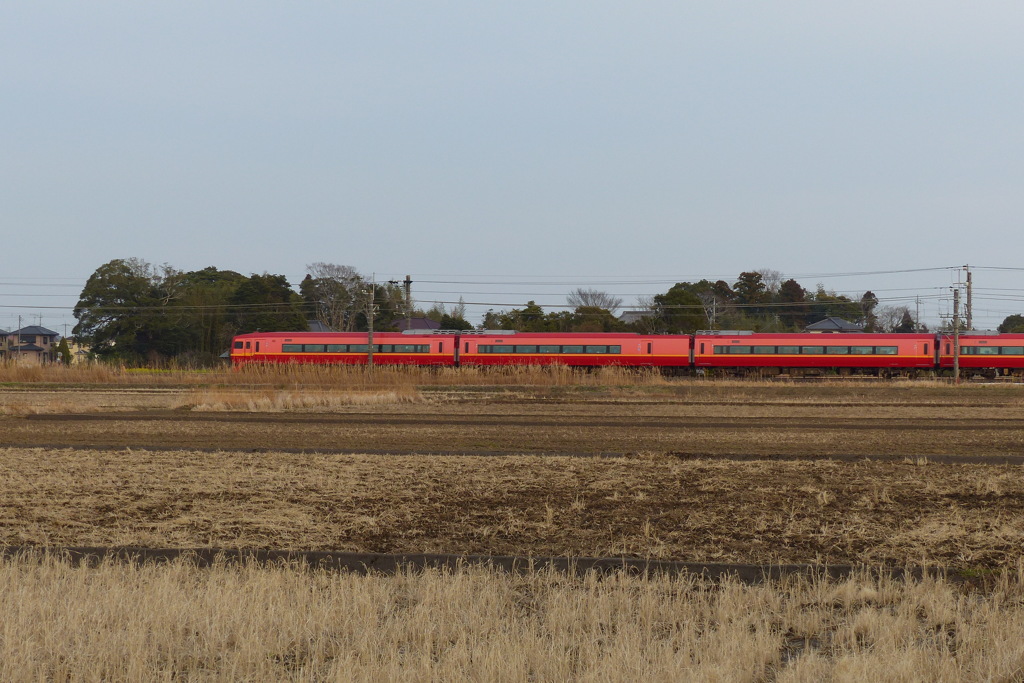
[[832, 324], [416, 324], [636, 316], [79, 352], [31, 345]]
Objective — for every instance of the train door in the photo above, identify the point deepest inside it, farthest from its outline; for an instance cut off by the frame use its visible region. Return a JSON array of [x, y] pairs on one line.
[[242, 350]]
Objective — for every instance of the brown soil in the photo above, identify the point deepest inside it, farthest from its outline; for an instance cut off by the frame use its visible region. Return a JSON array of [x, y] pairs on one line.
[[661, 507], [590, 429], [147, 473]]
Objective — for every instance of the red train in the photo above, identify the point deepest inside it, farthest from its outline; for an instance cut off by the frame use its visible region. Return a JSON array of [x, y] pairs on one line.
[[723, 352]]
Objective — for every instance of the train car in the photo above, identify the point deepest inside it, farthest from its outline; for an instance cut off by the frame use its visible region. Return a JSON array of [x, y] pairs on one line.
[[989, 354], [805, 353], [577, 349], [344, 348]]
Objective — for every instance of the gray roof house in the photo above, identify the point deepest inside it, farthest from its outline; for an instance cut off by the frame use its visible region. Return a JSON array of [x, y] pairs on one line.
[[833, 324]]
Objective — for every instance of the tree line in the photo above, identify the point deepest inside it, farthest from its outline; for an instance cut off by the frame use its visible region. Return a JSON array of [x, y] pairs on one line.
[[134, 311], [759, 300]]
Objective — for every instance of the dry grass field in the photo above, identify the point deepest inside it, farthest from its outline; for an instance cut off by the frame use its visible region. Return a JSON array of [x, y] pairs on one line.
[[527, 462], [119, 622]]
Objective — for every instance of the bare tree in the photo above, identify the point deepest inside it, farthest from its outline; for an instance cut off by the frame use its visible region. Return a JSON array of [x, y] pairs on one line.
[[888, 318], [772, 279], [336, 293], [593, 298]]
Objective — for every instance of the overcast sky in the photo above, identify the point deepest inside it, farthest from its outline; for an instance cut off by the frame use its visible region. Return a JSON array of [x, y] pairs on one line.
[[624, 146]]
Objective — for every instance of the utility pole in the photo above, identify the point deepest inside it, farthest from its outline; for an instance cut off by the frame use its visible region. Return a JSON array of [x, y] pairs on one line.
[[970, 316], [408, 302], [369, 324], [956, 336], [917, 315]]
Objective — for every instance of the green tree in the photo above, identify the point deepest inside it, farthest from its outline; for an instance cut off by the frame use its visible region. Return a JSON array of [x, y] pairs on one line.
[[1012, 324], [266, 303], [907, 323], [828, 304], [868, 304], [118, 310], [679, 310], [63, 352], [793, 311], [451, 322]]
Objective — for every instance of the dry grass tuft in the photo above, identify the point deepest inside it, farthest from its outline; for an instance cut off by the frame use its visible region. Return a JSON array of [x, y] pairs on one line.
[[117, 622], [276, 401]]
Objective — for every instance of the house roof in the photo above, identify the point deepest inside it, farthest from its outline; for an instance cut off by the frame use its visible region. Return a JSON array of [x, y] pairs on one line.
[[35, 329], [317, 326], [25, 347], [833, 324], [633, 316], [417, 324]]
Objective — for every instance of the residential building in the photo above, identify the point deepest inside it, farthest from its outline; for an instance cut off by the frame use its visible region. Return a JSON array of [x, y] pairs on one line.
[[30, 345]]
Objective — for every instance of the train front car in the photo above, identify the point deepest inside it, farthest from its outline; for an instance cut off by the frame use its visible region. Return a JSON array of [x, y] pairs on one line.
[[985, 354], [807, 354], [577, 349], [342, 348]]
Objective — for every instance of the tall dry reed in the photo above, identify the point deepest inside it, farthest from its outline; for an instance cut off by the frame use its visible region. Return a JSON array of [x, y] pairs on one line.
[[118, 623]]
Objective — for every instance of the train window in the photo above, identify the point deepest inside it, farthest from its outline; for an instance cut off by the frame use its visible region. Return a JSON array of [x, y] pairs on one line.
[[440, 347], [739, 349], [892, 350], [862, 350], [702, 347], [987, 350], [492, 348], [359, 348], [291, 348], [467, 347], [257, 346], [1012, 350], [595, 349], [550, 349], [925, 348], [649, 345], [526, 349], [967, 350], [408, 348], [615, 349], [385, 348], [812, 350], [791, 350], [238, 345], [337, 348], [572, 349], [764, 349], [313, 348], [248, 345], [721, 349], [947, 349], [837, 350]]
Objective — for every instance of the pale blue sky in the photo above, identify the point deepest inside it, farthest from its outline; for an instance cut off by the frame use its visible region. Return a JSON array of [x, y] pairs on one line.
[[465, 141]]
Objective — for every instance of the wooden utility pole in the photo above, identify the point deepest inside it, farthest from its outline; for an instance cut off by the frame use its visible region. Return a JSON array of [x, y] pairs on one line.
[[956, 336]]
